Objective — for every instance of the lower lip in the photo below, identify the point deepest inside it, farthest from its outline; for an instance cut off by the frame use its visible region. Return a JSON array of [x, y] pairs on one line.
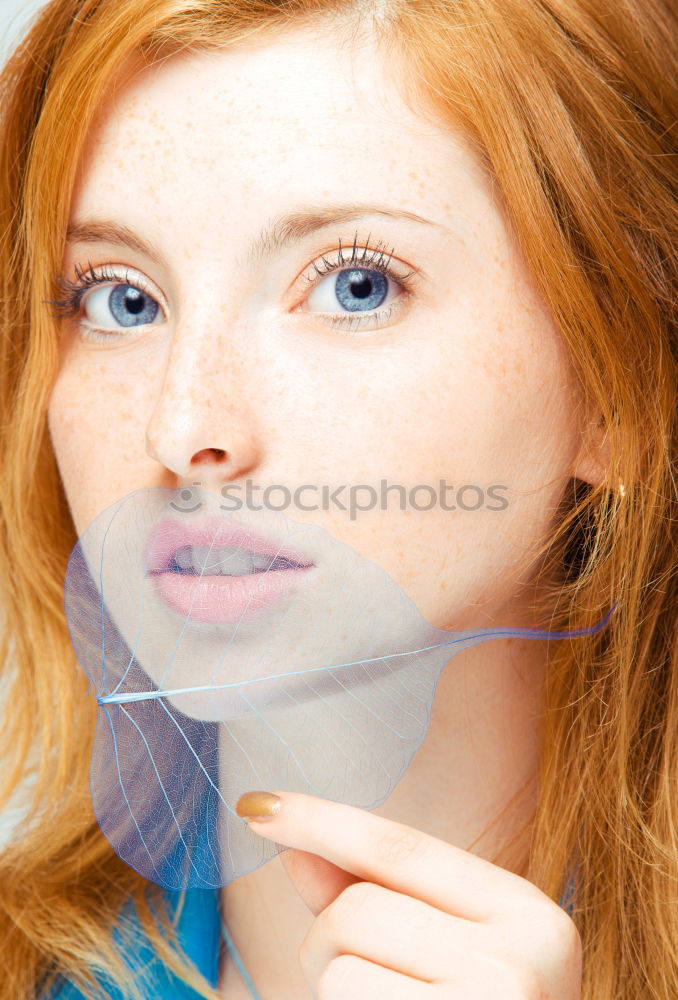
[[218, 600]]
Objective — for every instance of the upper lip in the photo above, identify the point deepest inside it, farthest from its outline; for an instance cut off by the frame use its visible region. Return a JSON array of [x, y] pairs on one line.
[[171, 534]]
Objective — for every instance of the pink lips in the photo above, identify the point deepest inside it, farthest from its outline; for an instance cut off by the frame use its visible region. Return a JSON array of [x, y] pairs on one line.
[[219, 599]]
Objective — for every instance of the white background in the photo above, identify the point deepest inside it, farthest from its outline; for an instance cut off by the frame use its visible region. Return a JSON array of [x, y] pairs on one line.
[[14, 17]]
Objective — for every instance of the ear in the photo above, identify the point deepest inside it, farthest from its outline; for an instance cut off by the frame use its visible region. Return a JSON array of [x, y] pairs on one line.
[[592, 462]]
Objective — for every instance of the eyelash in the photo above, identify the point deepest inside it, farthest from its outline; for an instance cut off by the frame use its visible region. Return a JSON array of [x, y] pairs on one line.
[[70, 303]]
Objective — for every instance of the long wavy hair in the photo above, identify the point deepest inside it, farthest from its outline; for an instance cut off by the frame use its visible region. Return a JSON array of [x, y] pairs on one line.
[[570, 104]]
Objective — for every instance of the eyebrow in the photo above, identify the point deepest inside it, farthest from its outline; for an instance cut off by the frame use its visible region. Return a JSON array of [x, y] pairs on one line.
[[294, 227], [279, 233], [106, 231]]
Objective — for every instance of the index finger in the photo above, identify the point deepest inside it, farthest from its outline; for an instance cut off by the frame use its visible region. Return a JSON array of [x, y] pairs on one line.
[[396, 856]]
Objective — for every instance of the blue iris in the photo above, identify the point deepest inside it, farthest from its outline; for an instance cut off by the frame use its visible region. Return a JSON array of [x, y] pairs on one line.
[[131, 307], [360, 288]]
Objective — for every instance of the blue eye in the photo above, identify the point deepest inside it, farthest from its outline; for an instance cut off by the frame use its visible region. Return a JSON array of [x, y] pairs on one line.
[[111, 302], [360, 289], [360, 285], [125, 305]]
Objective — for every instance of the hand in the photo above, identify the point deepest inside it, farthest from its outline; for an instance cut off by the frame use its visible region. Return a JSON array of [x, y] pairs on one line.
[[404, 916]]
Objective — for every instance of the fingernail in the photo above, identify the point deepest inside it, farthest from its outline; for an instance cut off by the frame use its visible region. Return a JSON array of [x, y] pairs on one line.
[[260, 806]]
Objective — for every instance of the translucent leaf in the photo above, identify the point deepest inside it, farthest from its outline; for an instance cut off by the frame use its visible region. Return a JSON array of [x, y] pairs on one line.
[[313, 674]]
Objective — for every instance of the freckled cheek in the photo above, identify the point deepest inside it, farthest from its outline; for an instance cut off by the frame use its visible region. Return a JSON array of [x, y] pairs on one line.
[[391, 427], [96, 423], [415, 414]]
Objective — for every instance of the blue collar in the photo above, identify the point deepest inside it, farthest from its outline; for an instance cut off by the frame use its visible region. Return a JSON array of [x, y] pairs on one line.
[[198, 931]]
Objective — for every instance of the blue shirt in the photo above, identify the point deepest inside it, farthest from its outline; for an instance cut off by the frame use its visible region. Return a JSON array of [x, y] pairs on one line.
[[198, 931]]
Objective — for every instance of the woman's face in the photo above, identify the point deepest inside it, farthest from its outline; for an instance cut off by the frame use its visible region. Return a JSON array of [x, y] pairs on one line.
[[211, 189]]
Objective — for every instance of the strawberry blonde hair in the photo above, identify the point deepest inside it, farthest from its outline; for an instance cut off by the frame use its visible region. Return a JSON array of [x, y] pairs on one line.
[[571, 106]]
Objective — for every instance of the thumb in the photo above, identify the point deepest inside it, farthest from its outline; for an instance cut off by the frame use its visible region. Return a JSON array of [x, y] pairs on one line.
[[317, 881]]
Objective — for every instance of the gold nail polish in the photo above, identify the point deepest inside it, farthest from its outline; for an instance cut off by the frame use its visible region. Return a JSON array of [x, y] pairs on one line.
[[259, 806]]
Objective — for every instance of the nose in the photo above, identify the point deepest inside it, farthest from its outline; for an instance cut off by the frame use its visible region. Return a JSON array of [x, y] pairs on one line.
[[202, 428]]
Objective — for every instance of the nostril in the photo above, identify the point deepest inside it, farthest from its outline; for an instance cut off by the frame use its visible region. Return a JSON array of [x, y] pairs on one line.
[[217, 454]]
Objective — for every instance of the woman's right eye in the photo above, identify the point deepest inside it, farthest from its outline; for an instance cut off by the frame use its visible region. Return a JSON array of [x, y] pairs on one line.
[[107, 303], [121, 304]]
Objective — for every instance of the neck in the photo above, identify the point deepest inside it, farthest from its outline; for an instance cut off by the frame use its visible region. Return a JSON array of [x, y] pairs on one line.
[[473, 783], [477, 764]]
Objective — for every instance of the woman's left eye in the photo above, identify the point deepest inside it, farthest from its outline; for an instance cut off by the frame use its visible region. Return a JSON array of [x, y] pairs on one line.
[[353, 291]]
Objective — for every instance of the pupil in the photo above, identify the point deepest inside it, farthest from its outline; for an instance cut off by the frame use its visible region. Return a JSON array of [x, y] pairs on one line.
[[134, 301], [361, 288]]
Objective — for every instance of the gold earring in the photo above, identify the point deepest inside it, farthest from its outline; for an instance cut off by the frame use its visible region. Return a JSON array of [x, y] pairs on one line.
[[622, 490]]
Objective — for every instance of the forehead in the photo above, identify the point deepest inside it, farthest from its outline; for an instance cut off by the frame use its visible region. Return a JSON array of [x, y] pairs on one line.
[[213, 137]]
